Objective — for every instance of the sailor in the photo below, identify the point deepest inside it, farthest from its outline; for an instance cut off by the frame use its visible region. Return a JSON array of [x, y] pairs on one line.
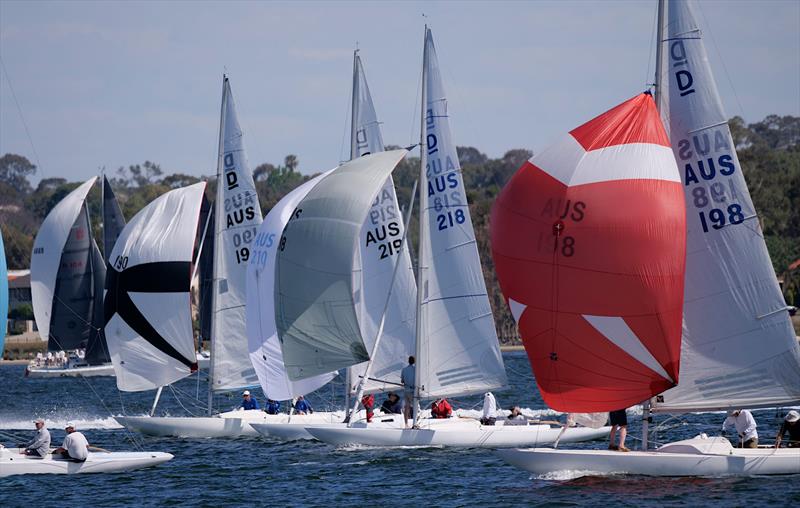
[[408, 377], [75, 446], [273, 407], [619, 422], [368, 401], [440, 408], [302, 406], [745, 426], [515, 417], [489, 409], [392, 404], [248, 401], [39, 446], [791, 424]]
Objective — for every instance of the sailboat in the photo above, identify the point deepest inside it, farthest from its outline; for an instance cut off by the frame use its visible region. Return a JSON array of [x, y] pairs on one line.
[[738, 348], [456, 345], [378, 256], [67, 277], [3, 295], [237, 216]]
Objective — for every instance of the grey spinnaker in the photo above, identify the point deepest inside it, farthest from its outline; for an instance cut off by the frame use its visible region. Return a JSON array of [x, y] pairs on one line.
[[316, 320]]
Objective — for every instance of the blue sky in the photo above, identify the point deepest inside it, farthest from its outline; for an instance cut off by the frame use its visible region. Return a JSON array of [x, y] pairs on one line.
[[112, 84]]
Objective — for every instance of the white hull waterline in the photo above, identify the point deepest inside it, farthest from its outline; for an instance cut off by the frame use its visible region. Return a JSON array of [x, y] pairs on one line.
[[294, 428], [232, 424], [699, 456], [14, 463], [463, 434], [106, 369]]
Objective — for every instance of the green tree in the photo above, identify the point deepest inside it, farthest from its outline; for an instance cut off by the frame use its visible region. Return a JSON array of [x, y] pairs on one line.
[[14, 171]]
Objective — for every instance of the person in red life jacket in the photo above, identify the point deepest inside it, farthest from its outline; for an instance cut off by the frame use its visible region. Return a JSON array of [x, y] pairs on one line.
[[441, 409], [368, 401]]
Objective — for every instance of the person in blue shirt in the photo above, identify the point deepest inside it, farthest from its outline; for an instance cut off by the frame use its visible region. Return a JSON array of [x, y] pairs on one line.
[[302, 406], [248, 401], [273, 407]]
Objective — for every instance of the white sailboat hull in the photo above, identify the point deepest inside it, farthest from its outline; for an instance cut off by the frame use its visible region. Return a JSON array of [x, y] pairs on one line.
[[294, 428], [106, 369], [13, 463], [232, 424], [691, 457], [454, 433]]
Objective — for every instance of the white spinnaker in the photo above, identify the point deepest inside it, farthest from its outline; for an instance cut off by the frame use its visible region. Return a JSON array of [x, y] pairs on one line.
[[738, 346], [237, 218], [458, 352], [379, 250], [265, 348], [315, 309], [47, 250], [158, 240]]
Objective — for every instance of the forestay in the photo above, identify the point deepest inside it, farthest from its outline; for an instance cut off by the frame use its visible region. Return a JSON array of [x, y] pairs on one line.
[[458, 348], [739, 348], [588, 240], [316, 319], [62, 277], [148, 320], [237, 217], [265, 348], [379, 250]]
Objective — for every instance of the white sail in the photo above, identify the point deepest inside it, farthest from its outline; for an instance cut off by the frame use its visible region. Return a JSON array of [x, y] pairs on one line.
[[47, 252], [237, 218], [315, 309], [379, 250], [738, 346], [148, 321], [458, 348], [265, 348]]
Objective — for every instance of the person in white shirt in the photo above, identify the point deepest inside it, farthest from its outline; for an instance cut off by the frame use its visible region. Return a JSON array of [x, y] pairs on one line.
[[75, 445], [489, 409], [745, 426]]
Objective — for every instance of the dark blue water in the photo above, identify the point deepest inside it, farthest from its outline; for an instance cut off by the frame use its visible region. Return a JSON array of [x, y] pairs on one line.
[[248, 472]]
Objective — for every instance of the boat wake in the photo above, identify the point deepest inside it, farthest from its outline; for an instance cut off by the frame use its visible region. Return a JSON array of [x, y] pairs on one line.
[[59, 421]]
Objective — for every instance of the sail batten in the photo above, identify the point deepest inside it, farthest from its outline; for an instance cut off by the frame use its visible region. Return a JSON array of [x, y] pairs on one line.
[[733, 326]]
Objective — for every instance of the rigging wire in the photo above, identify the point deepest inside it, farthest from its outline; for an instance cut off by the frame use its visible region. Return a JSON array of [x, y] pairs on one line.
[[21, 116], [719, 56]]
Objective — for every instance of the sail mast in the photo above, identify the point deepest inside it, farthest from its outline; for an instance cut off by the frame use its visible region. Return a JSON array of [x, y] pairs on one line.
[[217, 211], [658, 92], [423, 157]]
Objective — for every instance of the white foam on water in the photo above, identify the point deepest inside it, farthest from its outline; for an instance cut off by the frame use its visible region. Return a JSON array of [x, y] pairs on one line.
[[58, 422], [566, 475]]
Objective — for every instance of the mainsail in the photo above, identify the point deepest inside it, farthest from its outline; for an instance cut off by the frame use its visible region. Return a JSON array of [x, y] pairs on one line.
[[113, 220], [588, 239], [739, 348], [3, 294], [148, 320], [65, 272], [458, 348], [316, 319], [265, 348], [379, 251], [237, 217]]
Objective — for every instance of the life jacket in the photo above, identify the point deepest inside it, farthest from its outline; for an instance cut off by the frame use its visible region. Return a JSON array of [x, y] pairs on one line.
[[368, 401], [441, 409]]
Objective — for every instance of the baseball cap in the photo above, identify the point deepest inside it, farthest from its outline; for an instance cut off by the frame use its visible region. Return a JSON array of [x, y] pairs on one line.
[[69, 424], [792, 416], [38, 420], [246, 392]]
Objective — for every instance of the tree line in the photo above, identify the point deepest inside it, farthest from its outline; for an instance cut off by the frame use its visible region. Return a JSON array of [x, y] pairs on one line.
[[769, 152]]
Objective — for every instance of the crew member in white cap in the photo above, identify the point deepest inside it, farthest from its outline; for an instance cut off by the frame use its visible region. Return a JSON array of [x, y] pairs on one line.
[[745, 426], [248, 401], [39, 446], [75, 445], [791, 424]]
